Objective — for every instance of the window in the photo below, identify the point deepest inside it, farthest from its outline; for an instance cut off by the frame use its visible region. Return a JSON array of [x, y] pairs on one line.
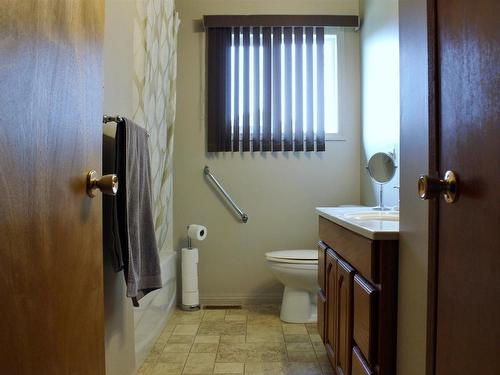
[[272, 88]]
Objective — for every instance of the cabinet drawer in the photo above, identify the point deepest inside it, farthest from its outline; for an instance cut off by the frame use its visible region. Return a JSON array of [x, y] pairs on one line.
[[365, 318], [321, 314], [358, 251], [359, 365], [321, 266]]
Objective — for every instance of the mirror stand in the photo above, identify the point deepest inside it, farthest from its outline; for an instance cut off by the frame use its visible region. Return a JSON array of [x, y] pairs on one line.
[[381, 206], [381, 168]]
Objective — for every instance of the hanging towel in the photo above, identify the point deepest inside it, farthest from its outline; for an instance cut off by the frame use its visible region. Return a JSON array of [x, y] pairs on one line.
[[110, 232], [141, 264]]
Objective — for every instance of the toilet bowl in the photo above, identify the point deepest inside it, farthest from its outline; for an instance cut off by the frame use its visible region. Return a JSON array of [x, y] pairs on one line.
[[297, 270]]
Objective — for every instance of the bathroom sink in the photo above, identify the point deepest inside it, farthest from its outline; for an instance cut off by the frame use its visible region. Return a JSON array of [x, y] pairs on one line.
[[369, 223], [375, 215]]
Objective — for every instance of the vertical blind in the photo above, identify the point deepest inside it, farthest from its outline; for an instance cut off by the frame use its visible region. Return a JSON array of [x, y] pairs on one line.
[[265, 88]]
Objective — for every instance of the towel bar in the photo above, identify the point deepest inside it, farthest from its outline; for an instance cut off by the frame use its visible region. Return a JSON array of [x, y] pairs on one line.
[[117, 119]]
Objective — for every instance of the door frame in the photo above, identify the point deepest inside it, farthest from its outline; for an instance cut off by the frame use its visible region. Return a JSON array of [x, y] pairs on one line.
[[434, 169], [417, 25]]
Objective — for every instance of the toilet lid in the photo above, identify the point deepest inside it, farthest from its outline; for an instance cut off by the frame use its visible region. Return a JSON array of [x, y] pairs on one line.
[[293, 256]]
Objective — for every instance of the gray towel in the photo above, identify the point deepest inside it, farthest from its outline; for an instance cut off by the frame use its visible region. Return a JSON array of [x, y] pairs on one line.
[[141, 262]]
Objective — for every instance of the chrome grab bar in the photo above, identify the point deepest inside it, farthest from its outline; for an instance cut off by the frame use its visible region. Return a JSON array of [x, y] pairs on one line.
[[243, 216]]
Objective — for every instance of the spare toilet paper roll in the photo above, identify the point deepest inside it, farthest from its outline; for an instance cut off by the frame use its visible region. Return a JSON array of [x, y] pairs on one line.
[[197, 232], [190, 269], [190, 293]]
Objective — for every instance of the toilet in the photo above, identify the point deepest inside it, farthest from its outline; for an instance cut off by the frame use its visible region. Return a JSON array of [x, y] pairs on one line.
[[297, 270]]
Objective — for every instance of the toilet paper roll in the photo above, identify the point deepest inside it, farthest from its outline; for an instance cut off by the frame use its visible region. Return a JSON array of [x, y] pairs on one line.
[[197, 232]]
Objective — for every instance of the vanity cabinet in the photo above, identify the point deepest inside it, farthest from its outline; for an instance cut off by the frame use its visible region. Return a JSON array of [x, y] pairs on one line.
[[357, 300]]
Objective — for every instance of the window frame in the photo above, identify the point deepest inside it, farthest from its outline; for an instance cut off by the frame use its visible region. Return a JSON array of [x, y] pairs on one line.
[[341, 82], [215, 106]]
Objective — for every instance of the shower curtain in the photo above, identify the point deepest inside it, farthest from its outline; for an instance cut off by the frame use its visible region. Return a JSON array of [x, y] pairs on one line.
[[155, 66]]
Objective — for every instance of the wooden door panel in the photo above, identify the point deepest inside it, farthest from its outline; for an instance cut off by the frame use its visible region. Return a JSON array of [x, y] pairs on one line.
[[50, 234], [468, 294], [345, 275]]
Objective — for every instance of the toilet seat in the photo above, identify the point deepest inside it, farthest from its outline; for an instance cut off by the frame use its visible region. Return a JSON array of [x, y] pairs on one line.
[[293, 256]]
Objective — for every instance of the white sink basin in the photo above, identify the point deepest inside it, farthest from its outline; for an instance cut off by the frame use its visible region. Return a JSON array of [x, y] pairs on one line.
[[375, 215], [369, 223]]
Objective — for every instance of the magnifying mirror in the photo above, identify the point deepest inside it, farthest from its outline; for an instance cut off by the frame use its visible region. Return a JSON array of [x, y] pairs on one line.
[[381, 168]]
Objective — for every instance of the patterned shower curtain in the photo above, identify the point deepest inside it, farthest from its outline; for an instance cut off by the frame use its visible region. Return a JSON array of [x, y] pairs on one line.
[[155, 68]]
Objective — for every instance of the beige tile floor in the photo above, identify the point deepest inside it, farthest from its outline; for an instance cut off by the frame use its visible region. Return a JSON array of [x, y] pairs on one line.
[[252, 340]]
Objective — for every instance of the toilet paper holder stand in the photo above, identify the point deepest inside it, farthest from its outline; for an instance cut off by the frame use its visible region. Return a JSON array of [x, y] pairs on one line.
[[190, 292]]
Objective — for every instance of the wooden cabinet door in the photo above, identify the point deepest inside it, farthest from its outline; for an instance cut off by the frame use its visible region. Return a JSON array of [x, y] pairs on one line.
[[51, 278], [331, 309], [359, 365], [321, 315], [322, 266], [344, 311], [365, 318]]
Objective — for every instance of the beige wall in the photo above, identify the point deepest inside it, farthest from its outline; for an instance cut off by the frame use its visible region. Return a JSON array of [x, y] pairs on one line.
[[118, 65], [278, 190], [379, 93]]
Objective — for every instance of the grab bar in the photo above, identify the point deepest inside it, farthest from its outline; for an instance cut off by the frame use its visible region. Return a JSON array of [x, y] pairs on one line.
[[243, 216]]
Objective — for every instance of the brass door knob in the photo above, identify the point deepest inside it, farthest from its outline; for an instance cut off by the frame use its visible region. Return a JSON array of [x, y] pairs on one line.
[[107, 184], [429, 187]]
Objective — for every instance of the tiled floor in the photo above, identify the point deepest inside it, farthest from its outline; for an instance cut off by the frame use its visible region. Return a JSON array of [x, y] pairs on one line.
[[252, 340]]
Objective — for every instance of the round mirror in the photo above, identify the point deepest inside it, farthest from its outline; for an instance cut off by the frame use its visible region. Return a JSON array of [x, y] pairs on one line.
[[381, 167]]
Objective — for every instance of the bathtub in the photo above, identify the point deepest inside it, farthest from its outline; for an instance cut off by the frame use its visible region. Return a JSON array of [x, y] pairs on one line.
[[155, 308]]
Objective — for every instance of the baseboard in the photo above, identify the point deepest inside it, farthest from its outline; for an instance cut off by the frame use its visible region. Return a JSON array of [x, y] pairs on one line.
[[241, 299]]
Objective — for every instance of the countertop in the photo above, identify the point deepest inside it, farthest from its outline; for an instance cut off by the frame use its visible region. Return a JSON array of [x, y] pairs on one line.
[[372, 229]]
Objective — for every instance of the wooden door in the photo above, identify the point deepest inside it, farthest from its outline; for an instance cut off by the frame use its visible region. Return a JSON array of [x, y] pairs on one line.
[[468, 251], [51, 320], [344, 311], [331, 304]]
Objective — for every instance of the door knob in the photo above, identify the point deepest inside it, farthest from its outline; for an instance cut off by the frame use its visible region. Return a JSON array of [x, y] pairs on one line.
[[429, 187], [107, 184]]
